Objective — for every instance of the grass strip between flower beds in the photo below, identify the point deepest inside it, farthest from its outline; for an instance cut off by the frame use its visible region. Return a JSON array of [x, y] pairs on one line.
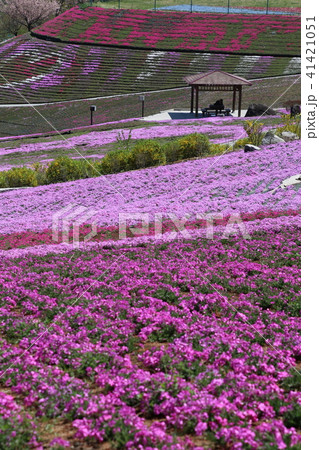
[[177, 31]]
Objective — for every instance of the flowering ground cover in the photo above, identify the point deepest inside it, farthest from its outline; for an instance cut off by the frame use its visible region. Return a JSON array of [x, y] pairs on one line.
[[95, 144], [190, 341], [171, 128], [208, 185], [45, 238], [44, 71], [257, 35], [191, 344], [17, 428], [184, 334]]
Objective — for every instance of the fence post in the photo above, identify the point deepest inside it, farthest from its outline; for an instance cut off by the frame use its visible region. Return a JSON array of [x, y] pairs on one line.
[[119, 4], [191, 5], [228, 6], [155, 5], [267, 7]]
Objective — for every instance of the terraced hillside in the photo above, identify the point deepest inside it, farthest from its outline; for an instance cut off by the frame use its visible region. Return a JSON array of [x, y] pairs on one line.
[[230, 33], [178, 340], [45, 71]]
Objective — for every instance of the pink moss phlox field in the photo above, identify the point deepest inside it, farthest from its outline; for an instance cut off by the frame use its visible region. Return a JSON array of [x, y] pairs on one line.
[[113, 233], [41, 243], [16, 426], [221, 127], [236, 182], [42, 70], [198, 336], [173, 30], [186, 342]]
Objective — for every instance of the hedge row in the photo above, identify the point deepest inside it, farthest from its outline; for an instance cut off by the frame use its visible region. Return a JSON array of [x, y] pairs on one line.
[[145, 153]]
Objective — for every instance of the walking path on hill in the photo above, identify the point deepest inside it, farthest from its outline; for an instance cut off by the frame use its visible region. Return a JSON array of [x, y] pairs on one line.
[[18, 105], [178, 114]]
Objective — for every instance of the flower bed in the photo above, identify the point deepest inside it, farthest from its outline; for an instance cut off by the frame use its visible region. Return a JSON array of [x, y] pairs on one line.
[[190, 341], [264, 34], [219, 130], [17, 428], [158, 345], [214, 184], [27, 239], [50, 71]]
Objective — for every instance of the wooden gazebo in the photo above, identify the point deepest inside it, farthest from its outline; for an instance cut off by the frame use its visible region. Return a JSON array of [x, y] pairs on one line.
[[216, 80]]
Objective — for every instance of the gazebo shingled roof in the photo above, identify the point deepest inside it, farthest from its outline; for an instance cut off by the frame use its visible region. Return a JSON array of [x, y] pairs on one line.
[[216, 80]]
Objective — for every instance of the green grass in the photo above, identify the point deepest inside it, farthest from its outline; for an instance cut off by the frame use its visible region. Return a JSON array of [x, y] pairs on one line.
[[120, 71], [23, 159], [25, 120]]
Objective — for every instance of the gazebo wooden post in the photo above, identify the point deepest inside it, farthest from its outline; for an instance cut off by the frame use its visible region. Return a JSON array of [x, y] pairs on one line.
[[234, 98], [239, 101], [192, 99], [196, 101], [216, 80]]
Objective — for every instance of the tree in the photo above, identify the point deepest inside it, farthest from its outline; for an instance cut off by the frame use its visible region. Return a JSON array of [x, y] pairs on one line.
[[9, 25], [28, 13], [67, 4]]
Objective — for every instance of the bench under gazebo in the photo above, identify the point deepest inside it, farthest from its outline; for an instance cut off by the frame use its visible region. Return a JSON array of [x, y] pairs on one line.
[[216, 80]]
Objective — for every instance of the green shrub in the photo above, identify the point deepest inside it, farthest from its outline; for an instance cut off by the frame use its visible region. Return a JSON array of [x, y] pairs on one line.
[[291, 124], [218, 149], [40, 172], [98, 167], [63, 169], [147, 153], [241, 142], [193, 145], [254, 131], [116, 161], [88, 168], [3, 183], [171, 150], [20, 176]]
